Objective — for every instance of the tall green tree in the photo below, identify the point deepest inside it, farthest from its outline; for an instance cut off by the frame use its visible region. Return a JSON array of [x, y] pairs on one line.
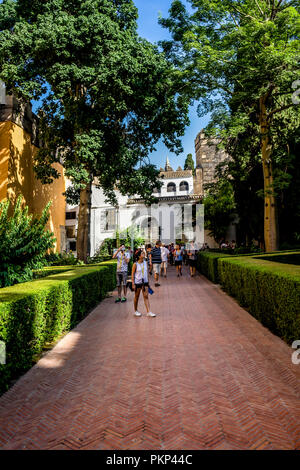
[[107, 95], [189, 163], [240, 59], [243, 170], [248, 185], [289, 212], [220, 208]]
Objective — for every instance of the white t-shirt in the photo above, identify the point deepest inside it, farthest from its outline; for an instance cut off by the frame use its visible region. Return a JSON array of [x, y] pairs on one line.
[[164, 254], [141, 273], [122, 266]]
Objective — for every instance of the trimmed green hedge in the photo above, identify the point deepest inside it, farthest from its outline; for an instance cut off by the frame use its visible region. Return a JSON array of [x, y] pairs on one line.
[[207, 264], [207, 261], [38, 312], [270, 291], [283, 257]]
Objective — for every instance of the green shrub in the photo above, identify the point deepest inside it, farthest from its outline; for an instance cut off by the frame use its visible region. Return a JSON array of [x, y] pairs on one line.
[[62, 259], [41, 273], [130, 266], [38, 312], [24, 241], [207, 264], [207, 261], [270, 291], [285, 258]]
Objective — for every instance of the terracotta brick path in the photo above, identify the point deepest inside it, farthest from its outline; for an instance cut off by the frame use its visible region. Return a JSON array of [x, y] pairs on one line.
[[204, 374]]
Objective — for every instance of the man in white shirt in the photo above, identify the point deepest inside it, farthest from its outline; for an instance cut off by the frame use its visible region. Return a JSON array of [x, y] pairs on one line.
[[164, 260]]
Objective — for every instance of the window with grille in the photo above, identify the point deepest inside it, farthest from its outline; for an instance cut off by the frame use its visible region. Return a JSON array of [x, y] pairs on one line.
[[109, 220], [184, 186], [70, 215], [171, 188]]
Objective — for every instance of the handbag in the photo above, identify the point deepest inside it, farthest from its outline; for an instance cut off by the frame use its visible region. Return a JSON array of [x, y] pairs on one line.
[[151, 292]]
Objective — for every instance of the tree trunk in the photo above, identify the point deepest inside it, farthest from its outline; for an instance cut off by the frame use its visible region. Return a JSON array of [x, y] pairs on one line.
[[270, 214], [83, 230]]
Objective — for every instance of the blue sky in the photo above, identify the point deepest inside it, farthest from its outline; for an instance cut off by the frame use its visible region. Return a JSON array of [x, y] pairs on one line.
[[153, 32]]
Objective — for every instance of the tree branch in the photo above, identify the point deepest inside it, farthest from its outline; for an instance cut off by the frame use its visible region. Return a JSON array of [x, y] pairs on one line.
[[258, 6], [278, 110], [243, 14], [234, 20]]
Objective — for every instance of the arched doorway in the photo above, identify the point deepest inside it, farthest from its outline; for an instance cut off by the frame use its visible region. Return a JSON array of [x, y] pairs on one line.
[[150, 229]]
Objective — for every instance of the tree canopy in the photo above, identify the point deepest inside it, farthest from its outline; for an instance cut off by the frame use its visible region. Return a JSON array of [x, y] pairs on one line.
[[240, 59], [220, 206], [189, 163], [107, 95]]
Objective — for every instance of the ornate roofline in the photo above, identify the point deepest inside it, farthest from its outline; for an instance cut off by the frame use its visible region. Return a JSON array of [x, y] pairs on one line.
[[164, 174], [189, 197], [176, 174]]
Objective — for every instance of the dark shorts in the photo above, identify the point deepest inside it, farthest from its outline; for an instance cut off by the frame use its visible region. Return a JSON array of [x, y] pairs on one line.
[[193, 263], [178, 263], [139, 286]]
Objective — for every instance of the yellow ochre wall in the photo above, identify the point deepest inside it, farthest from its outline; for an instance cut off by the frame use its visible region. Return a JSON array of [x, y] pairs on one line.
[[17, 177], [4, 158]]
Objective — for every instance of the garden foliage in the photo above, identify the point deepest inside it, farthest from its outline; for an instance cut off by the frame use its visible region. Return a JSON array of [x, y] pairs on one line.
[[268, 286], [35, 313], [24, 241]]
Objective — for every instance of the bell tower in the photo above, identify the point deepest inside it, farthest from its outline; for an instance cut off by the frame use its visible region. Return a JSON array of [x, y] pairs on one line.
[[208, 156], [167, 165]]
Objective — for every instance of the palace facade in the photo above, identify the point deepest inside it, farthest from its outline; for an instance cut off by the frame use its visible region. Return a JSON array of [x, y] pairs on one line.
[[178, 187]]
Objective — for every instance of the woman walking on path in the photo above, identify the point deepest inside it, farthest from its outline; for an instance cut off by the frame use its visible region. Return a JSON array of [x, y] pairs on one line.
[[192, 259], [164, 260], [171, 249], [178, 260], [140, 283]]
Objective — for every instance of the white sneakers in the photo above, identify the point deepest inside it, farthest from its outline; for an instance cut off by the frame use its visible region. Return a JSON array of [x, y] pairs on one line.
[[149, 314]]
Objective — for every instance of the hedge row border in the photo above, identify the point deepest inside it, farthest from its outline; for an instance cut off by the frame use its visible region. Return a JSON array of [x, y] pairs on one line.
[[35, 313], [269, 291]]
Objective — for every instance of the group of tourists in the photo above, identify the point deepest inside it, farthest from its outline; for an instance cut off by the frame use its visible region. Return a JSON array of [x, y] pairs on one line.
[[226, 245], [150, 260]]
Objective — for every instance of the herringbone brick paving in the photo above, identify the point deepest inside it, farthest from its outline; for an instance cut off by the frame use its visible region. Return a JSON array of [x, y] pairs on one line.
[[203, 374]]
